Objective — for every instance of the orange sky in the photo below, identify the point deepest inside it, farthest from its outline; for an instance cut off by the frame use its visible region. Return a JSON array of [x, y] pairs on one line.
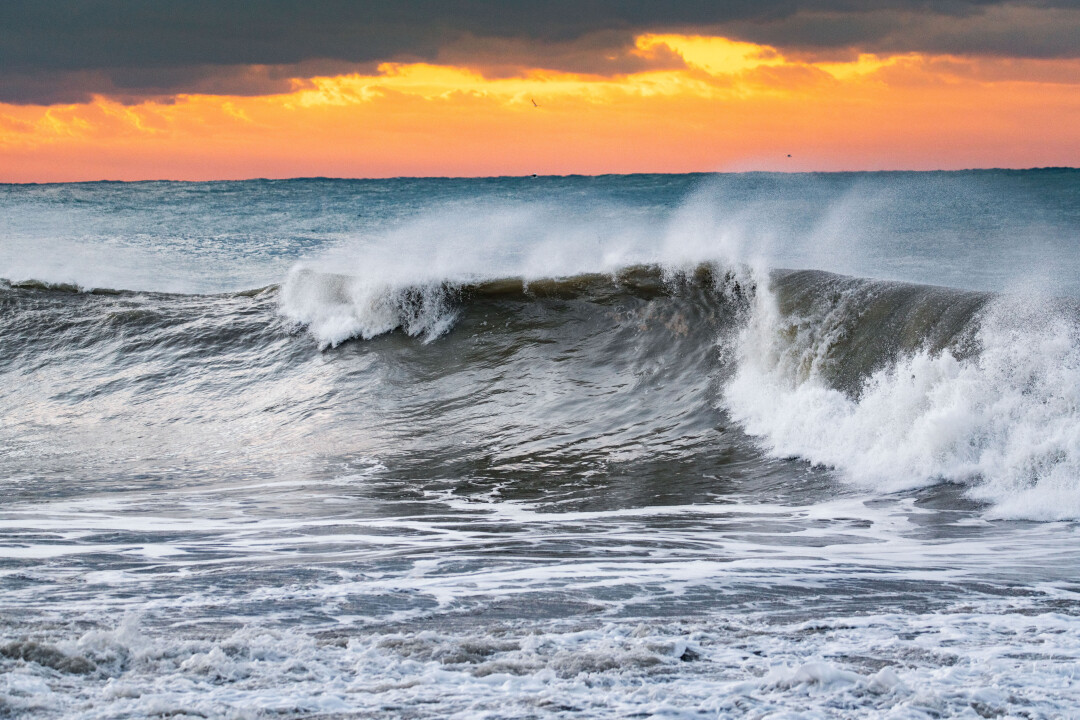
[[727, 106]]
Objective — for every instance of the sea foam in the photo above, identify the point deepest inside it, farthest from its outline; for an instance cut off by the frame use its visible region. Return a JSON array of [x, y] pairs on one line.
[[1004, 419]]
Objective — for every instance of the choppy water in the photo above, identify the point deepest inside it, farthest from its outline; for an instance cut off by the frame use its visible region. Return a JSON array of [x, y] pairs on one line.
[[656, 446]]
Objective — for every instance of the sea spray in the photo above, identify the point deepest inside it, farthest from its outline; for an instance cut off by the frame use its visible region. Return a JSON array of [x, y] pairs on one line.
[[335, 308], [997, 407]]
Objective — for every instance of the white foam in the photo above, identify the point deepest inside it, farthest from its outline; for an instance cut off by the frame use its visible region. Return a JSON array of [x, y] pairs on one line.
[[1005, 420], [954, 663], [336, 308]]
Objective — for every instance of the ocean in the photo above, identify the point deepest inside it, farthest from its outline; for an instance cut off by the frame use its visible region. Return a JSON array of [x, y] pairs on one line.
[[673, 446]]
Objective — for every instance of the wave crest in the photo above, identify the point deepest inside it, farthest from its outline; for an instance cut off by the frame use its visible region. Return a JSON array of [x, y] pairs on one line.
[[990, 399], [336, 308]]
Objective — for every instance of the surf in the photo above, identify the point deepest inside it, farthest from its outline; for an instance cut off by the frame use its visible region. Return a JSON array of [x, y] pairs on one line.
[[896, 386], [891, 383]]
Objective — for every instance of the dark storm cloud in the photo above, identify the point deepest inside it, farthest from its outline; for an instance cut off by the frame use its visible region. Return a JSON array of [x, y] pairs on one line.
[[1004, 30], [65, 50]]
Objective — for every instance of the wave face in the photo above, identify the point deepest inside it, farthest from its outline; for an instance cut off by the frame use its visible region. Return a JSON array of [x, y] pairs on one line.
[[895, 385], [483, 447]]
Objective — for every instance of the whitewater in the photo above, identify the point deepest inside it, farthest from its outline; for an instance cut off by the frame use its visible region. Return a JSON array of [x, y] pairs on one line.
[[733, 445]]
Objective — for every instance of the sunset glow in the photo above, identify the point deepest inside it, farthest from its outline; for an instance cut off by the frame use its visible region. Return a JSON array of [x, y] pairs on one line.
[[724, 105]]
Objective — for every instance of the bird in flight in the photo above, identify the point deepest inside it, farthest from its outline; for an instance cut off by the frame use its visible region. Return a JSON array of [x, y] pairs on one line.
[[534, 102]]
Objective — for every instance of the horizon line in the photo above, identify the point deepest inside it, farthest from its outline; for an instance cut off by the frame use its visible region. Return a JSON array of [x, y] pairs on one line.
[[330, 178]]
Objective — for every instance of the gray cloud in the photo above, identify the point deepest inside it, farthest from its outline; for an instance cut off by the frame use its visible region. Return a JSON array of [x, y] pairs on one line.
[[603, 53], [65, 50], [1004, 30]]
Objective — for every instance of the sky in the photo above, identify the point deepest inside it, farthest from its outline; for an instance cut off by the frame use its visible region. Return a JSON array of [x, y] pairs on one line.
[[230, 89]]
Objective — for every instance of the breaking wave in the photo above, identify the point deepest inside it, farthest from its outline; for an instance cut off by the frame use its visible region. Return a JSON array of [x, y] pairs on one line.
[[903, 386], [897, 386]]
